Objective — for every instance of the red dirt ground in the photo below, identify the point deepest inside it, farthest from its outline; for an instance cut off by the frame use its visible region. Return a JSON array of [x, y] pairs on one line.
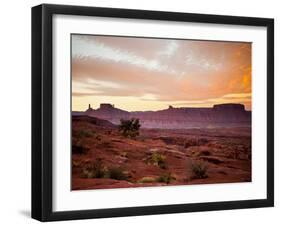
[[225, 152]]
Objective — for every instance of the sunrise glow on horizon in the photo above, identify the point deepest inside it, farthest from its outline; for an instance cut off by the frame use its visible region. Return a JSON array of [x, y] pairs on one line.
[[139, 74]]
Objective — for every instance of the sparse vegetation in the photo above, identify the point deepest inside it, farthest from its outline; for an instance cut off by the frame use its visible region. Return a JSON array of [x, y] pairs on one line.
[[117, 173], [94, 170], [129, 128], [103, 158], [98, 170], [83, 133], [199, 170], [77, 144], [166, 178], [157, 159], [147, 180]]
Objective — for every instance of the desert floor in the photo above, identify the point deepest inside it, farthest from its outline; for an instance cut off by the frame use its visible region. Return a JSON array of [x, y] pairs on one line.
[[103, 158]]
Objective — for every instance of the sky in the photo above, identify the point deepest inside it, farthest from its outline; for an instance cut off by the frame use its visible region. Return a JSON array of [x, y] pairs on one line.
[[139, 74]]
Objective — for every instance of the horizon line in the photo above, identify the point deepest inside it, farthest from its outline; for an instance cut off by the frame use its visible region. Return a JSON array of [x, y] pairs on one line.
[[169, 107]]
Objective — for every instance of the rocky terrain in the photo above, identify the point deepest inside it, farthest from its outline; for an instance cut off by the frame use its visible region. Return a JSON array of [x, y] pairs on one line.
[[103, 158], [223, 115]]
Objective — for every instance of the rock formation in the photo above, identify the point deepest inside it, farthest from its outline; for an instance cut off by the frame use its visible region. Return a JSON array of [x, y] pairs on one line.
[[221, 115]]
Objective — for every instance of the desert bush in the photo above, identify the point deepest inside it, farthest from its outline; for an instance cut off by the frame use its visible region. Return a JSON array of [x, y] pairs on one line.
[[199, 170], [166, 178], [98, 170], [157, 159], [129, 128], [116, 173], [146, 180], [83, 133], [79, 149], [94, 170]]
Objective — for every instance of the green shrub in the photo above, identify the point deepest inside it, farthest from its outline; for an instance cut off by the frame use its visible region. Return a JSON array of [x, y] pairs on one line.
[[129, 128], [116, 173], [98, 170], [95, 170], [147, 180], [158, 159], [199, 170], [166, 178]]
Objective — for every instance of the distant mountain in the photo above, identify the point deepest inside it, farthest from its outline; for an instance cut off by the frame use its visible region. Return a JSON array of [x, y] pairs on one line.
[[77, 113], [92, 120], [221, 115]]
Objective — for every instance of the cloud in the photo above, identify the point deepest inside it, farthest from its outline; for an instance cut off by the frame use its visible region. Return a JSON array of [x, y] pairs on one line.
[[241, 98], [161, 70], [81, 49], [170, 49]]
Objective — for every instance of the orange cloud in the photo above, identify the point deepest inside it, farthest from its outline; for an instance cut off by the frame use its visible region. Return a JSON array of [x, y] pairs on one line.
[[171, 71]]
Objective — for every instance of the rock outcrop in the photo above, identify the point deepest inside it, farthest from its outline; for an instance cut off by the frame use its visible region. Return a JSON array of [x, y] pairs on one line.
[[221, 115]]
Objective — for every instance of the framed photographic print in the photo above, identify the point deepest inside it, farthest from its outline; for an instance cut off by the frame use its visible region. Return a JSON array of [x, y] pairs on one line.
[[145, 112]]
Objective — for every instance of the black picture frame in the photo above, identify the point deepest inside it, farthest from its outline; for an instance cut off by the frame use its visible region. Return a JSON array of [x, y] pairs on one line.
[[42, 107]]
